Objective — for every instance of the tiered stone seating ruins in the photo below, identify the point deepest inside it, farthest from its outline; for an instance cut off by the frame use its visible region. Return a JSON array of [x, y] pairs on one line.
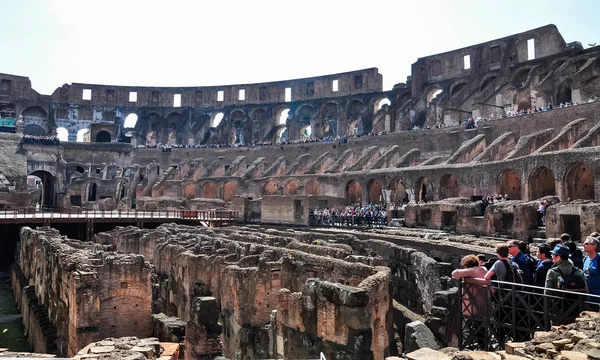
[[197, 231]]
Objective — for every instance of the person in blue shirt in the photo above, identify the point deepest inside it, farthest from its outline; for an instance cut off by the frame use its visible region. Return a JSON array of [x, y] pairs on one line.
[[520, 259], [591, 245]]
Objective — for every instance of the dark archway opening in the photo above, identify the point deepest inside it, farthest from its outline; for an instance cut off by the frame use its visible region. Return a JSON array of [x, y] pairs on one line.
[[354, 192], [449, 187], [92, 192], [563, 94], [48, 187], [34, 130], [374, 192], [541, 183], [509, 183], [103, 137], [579, 183], [399, 194], [424, 190]]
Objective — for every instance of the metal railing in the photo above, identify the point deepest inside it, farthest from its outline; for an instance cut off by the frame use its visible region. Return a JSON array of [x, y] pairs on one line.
[[494, 314], [208, 215], [347, 221]]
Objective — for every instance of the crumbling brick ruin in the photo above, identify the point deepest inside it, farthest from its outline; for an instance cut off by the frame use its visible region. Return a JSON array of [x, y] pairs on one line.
[[273, 152], [74, 293]]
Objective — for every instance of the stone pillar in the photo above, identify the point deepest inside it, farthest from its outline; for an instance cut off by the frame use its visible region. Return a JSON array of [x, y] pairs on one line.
[[19, 125], [202, 333]]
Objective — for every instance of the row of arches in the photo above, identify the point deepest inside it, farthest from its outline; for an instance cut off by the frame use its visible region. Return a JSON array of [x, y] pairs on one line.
[[577, 183]]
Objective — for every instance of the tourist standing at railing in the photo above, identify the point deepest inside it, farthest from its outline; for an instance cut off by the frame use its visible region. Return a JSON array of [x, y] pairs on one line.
[[563, 275], [519, 258], [475, 295], [544, 264], [590, 266], [500, 268]]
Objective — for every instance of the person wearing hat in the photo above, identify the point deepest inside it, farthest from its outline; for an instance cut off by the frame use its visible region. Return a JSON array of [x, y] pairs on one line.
[[563, 269]]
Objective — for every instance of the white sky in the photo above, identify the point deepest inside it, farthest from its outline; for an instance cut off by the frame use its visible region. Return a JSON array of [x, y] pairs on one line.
[[197, 43]]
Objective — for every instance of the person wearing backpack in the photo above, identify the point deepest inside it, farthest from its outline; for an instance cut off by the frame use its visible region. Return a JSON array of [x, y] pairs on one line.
[[521, 260], [507, 271], [504, 269], [563, 275]]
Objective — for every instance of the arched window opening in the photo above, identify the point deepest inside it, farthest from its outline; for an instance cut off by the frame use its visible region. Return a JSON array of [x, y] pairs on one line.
[[81, 135], [579, 183], [374, 191], [306, 131], [541, 183], [424, 190], [130, 121], [353, 192], [62, 134], [217, 119], [434, 94], [283, 116], [509, 184], [449, 187], [379, 105], [281, 135], [46, 180], [103, 137]]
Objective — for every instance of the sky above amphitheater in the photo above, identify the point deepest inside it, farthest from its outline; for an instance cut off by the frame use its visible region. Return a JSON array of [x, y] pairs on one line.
[[199, 43]]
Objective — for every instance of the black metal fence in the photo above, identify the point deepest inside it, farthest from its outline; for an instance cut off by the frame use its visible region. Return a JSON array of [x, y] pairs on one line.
[[347, 221], [495, 314]]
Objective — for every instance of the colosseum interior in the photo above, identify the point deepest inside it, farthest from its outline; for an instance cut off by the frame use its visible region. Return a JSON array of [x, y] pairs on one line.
[[167, 223]]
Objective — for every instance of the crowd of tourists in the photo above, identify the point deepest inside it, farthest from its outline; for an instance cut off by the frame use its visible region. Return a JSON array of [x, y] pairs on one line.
[[338, 139], [473, 122], [40, 140], [370, 215], [559, 270]]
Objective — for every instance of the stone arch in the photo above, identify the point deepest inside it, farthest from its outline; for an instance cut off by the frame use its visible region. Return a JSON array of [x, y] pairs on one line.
[[520, 77], [271, 188], [398, 192], [563, 92], [486, 81], [35, 115], [154, 129], [34, 129], [354, 117], [291, 188], [541, 183], [434, 93], [353, 192], [103, 137], [578, 182], [449, 186], [229, 190], [208, 190], [311, 188], [374, 192], [379, 102], [329, 114], [237, 119], [458, 86], [404, 98], [48, 186], [509, 183], [424, 189], [522, 100]]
